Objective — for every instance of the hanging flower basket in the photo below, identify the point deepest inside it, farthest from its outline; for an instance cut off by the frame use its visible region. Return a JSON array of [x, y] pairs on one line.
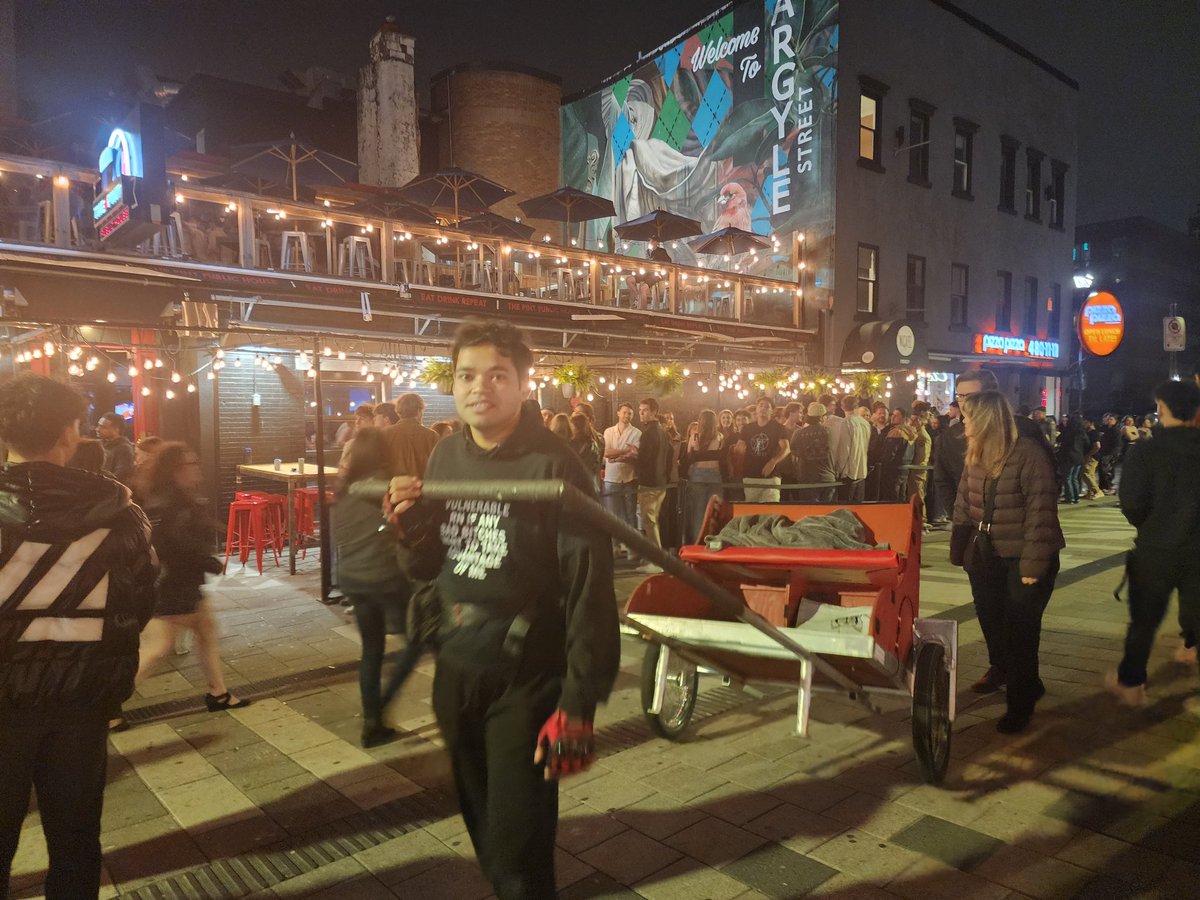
[[770, 381], [574, 378], [439, 373], [663, 380]]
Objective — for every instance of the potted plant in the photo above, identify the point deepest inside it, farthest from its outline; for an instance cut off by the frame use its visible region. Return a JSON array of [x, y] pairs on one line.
[[573, 377], [439, 373], [663, 380], [771, 380]]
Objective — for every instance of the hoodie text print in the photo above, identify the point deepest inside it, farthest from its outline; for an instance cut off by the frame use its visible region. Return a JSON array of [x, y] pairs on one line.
[[474, 537]]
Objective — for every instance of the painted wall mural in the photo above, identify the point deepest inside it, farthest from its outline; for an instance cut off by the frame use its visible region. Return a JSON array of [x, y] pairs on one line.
[[732, 125]]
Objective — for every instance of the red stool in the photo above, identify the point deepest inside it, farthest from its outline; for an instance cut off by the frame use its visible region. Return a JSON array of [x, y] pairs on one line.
[[250, 528], [277, 503], [306, 515]]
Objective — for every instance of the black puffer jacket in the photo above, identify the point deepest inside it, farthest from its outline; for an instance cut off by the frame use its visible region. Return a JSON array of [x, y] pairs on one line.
[[76, 587], [1160, 491], [181, 530], [1025, 520]]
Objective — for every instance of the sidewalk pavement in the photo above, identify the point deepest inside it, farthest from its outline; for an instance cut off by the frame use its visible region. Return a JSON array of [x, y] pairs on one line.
[[278, 800]]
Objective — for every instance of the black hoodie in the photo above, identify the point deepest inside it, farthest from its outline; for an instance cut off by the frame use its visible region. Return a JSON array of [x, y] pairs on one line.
[[1160, 490], [506, 559], [74, 550]]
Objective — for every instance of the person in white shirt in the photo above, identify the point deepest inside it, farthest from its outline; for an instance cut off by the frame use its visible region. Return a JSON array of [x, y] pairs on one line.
[[853, 436], [619, 490]]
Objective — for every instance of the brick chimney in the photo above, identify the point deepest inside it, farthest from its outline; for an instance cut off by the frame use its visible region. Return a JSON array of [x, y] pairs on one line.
[[388, 138]]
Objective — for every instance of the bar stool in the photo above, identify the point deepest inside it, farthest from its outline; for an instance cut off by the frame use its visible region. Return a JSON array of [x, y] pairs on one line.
[[294, 252], [250, 529], [276, 513], [306, 515], [356, 259]]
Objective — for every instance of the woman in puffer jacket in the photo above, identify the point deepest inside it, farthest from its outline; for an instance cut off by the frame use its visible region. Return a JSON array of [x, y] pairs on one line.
[[369, 574], [1012, 585]]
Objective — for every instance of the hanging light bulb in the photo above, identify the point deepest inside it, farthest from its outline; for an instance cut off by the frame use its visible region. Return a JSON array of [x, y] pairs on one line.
[[133, 372], [237, 362], [170, 395], [176, 377], [145, 392], [633, 365], [362, 370], [612, 386], [327, 351], [212, 376], [158, 363], [341, 354], [191, 388], [147, 364]]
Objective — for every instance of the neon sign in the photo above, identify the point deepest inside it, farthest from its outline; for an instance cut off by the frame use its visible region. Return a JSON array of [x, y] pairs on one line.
[[121, 156], [1009, 345], [114, 223]]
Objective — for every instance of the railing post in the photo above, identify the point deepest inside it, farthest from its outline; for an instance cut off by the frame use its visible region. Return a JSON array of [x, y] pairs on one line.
[[387, 253], [245, 211], [61, 208]]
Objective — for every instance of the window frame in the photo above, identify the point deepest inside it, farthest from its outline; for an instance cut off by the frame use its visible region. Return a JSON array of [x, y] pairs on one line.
[[1054, 312], [920, 113], [913, 312], [876, 91], [965, 129], [1029, 320], [960, 302], [872, 282], [1008, 174], [1004, 302], [1058, 191], [1033, 184]]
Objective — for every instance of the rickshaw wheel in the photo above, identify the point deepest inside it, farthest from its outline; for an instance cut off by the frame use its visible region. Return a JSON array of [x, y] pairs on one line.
[[931, 712], [679, 698]]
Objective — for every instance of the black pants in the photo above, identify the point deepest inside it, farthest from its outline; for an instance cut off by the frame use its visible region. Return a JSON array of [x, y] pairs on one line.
[[371, 612], [1010, 614], [1153, 576], [60, 753], [490, 724]]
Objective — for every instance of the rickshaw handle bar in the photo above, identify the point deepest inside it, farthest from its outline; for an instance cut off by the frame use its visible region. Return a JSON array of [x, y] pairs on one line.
[[578, 503]]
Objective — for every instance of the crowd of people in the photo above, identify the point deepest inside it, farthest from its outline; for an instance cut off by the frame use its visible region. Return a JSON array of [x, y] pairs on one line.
[[100, 539]]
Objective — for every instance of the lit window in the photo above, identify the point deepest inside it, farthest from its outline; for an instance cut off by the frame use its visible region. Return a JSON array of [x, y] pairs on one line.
[[868, 278]]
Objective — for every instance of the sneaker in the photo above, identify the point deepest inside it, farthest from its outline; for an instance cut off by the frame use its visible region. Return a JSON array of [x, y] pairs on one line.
[[993, 680], [1186, 655], [1125, 695], [1014, 722], [648, 568]]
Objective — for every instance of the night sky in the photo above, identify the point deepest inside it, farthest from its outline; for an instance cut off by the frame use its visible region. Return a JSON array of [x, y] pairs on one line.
[[1137, 62]]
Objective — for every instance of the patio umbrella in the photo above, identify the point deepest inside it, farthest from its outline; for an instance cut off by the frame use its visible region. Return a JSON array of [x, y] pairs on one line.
[[569, 205], [293, 161], [455, 189], [499, 226], [373, 200], [254, 184], [660, 226], [729, 242]]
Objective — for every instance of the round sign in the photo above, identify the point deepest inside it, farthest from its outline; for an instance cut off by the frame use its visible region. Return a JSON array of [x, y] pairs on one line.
[[906, 340], [1101, 324], [868, 356]]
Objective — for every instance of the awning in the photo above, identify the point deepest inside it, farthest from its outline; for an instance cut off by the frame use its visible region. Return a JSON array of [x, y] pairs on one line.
[[888, 345]]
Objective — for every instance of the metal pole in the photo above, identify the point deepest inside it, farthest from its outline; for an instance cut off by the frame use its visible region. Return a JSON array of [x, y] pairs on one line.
[[326, 554], [1173, 374]]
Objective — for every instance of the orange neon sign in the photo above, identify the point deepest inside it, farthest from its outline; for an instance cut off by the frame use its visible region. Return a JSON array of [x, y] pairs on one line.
[[1101, 324]]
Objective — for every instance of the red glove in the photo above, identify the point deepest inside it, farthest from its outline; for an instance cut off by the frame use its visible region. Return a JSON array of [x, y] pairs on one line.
[[566, 746]]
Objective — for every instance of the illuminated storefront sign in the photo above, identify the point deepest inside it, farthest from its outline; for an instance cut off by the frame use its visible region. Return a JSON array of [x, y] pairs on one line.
[[1101, 324], [132, 201], [731, 124], [1011, 345]]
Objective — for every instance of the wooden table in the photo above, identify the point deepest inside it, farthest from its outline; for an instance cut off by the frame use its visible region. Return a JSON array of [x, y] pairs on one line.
[[287, 472]]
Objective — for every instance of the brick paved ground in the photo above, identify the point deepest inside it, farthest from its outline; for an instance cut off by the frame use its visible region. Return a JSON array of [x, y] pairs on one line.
[[278, 799]]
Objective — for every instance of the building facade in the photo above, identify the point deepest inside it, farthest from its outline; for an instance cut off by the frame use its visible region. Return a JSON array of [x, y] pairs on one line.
[[1153, 272]]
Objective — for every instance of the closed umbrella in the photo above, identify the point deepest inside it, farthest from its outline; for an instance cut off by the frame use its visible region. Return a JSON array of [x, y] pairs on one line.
[[569, 205], [455, 189], [660, 225], [729, 242]]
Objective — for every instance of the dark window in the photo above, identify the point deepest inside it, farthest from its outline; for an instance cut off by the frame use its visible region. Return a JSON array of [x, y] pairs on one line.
[[916, 287], [1052, 311], [868, 279], [1033, 184], [1058, 193], [958, 294], [964, 149], [1032, 301], [1004, 301], [1008, 174], [870, 123], [919, 115]]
